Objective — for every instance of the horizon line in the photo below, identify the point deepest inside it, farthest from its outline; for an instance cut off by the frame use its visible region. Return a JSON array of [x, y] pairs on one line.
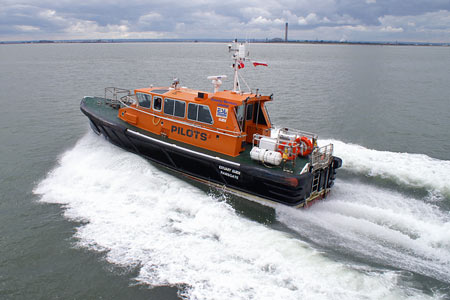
[[258, 40]]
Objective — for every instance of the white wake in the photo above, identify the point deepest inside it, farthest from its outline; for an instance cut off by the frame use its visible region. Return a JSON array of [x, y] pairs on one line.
[[177, 235], [381, 225], [416, 170]]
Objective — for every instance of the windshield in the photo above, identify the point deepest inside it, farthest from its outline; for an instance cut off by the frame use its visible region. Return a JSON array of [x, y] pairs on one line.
[[240, 110], [259, 117]]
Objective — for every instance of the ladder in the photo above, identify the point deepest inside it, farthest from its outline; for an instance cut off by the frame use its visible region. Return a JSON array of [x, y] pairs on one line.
[[316, 181]]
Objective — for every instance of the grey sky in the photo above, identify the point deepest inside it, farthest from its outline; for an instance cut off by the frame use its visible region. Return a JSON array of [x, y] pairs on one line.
[[368, 20]]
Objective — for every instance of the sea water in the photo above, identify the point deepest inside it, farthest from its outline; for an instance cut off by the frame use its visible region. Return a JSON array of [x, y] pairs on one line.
[[81, 218]]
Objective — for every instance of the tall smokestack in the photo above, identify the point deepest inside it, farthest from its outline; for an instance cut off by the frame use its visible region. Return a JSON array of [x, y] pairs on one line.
[[285, 33]]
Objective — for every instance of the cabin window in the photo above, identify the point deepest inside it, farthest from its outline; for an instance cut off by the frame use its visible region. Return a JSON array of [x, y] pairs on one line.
[[201, 113], [249, 111], [204, 115], [180, 108], [174, 107], [240, 110], [157, 103], [144, 100], [192, 111], [169, 106], [259, 117], [240, 113]]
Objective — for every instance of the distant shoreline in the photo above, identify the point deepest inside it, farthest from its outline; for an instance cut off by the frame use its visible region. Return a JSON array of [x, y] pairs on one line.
[[268, 41]]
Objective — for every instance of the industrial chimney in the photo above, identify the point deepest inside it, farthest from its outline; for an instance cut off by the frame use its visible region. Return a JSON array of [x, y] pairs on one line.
[[285, 33]]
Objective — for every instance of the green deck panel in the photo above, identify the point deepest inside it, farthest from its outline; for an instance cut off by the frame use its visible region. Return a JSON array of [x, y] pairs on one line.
[[101, 107]]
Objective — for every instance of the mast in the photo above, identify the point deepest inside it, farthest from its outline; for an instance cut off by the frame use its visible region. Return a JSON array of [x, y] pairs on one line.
[[239, 56]]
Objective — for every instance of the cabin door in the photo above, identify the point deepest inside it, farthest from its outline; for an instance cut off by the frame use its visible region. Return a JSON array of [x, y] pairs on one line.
[[255, 121]]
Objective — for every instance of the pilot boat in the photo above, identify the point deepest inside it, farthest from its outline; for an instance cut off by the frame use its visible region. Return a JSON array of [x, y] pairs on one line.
[[223, 138]]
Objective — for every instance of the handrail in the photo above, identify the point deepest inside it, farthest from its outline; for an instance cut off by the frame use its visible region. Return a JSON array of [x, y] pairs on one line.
[[321, 157], [195, 125], [115, 93], [289, 133], [277, 141], [129, 98]]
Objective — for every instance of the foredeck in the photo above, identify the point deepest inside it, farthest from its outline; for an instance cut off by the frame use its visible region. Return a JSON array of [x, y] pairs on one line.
[[103, 109]]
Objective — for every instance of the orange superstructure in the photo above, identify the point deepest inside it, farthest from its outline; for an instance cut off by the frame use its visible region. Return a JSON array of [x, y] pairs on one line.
[[222, 121]]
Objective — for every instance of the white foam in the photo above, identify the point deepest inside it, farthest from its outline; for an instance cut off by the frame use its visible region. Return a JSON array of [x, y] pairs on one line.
[[177, 235], [417, 170], [380, 225]]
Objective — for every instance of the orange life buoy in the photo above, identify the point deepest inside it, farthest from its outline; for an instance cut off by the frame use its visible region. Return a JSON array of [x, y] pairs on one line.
[[306, 146], [282, 148], [296, 148]]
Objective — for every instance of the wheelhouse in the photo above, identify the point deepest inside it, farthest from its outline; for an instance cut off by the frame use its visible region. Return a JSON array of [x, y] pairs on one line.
[[223, 122]]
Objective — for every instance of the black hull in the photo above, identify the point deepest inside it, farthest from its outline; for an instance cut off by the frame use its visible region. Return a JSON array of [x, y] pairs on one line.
[[288, 189]]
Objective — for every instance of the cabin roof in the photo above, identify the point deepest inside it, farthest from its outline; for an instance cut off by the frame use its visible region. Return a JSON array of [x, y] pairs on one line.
[[232, 98]]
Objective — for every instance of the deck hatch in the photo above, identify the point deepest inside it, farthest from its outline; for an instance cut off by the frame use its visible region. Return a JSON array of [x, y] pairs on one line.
[[159, 92]]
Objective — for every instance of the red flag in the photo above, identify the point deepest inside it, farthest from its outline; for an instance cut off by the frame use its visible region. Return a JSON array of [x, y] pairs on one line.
[[260, 63], [241, 65]]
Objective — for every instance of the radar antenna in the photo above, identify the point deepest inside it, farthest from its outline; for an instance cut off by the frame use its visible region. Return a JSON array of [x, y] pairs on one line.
[[217, 81]]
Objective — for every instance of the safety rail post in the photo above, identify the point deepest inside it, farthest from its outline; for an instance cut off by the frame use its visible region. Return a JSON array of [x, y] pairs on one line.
[[114, 94], [321, 157]]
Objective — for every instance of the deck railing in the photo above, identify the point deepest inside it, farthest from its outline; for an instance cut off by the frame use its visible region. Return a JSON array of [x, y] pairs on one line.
[[125, 98], [291, 134], [321, 157], [285, 135], [116, 95]]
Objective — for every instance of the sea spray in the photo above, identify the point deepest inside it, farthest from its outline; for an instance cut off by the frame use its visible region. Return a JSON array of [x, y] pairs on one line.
[[178, 235], [415, 170], [381, 225]]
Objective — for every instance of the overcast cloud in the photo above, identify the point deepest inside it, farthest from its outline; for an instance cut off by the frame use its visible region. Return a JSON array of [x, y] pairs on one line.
[[352, 20]]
